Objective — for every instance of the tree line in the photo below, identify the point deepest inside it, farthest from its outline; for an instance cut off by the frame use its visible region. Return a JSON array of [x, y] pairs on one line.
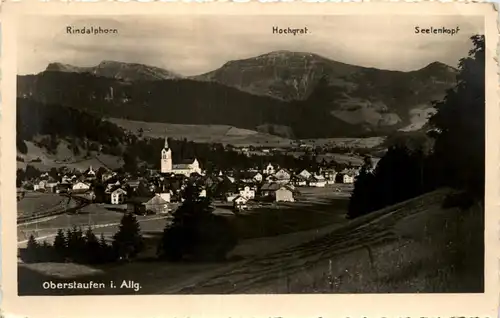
[[86, 133], [194, 233], [78, 247], [452, 155]]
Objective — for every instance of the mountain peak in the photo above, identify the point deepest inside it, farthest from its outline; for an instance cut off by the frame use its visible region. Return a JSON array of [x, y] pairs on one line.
[[438, 66], [111, 62], [61, 67], [286, 53]]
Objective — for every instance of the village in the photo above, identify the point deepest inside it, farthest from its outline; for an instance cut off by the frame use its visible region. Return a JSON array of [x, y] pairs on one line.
[[159, 192]]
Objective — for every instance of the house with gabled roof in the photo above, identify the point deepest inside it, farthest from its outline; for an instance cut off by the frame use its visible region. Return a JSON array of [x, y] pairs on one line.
[[317, 180], [283, 176], [299, 180], [148, 205], [330, 175], [305, 174], [239, 202], [118, 196], [269, 169], [81, 186], [284, 194], [268, 189]]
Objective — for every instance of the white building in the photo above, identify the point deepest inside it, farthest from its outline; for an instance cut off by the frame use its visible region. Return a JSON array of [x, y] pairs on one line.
[[269, 169], [68, 179], [305, 174], [349, 175], [258, 177], [330, 176], [283, 176], [186, 167], [79, 186], [167, 196], [240, 202], [203, 193], [108, 175], [231, 196], [90, 173], [348, 178], [40, 186], [299, 180], [247, 193], [284, 194], [118, 196], [317, 181]]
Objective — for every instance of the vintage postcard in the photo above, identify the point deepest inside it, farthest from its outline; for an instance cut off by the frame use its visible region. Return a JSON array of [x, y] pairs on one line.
[[334, 159]]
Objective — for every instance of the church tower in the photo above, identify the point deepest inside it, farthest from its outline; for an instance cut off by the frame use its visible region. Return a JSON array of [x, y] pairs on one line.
[[166, 158]]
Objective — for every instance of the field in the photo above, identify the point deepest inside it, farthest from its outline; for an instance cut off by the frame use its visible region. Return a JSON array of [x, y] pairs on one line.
[[42, 160], [317, 207], [100, 219], [260, 231], [235, 136], [414, 246], [368, 143], [203, 133], [39, 203]]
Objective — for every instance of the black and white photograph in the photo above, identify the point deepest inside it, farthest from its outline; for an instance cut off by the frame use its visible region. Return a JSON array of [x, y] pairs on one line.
[[250, 154]]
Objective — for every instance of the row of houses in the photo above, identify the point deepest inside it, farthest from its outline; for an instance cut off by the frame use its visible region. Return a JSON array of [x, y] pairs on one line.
[[303, 178], [156, 192], [281, 185]]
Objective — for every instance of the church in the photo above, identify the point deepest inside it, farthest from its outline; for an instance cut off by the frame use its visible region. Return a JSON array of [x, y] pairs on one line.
[[186, 167]]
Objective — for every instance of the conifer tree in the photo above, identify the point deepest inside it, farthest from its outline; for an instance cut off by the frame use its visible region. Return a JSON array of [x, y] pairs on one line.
[[76, 244], [68, 237], [32, 249], [102, 241], [128, 241], [93, 248], [196, 231], [105, 252], [60, 244], [32, 243]]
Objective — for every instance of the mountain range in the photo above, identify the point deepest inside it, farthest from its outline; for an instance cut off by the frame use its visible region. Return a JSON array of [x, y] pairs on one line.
[[117, 70], [299, 95]]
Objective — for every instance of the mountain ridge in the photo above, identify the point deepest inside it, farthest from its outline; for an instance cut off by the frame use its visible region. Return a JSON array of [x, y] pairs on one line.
[[118, 70], [304, 94], [290, 75]]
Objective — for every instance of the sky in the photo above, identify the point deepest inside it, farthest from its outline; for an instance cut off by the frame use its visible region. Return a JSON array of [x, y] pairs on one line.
[[192, 45]]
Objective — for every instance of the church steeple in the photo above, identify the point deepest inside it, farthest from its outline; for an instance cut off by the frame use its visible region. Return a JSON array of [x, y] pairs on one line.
[[166, 158]]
